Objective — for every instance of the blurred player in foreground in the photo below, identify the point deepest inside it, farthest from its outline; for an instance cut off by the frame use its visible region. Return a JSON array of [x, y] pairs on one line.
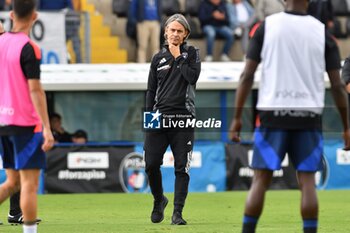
[[24, 124], [15, 215], [294, 50]]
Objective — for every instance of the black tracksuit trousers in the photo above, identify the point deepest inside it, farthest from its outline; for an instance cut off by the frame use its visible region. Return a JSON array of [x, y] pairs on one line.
[[181, 144]]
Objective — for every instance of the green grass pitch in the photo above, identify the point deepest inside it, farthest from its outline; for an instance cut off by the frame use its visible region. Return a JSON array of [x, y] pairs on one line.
[[205, 213]]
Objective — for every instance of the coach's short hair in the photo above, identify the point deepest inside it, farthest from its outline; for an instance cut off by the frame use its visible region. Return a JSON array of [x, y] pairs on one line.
[[180, 19], [23, 8]]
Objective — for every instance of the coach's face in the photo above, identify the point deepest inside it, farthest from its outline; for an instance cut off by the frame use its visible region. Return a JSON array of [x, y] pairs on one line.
[[175, 33]]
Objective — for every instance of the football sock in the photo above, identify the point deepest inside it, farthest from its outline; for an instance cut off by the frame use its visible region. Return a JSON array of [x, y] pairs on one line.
[[310, 225], [249, 224], [14, 204], [30, 228]]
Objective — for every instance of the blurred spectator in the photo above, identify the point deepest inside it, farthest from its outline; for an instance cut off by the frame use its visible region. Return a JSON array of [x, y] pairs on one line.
[[323, 11], [58, 131], [214, 21], [147, 14], [80, 137], [241, 17], [72, 21], [264, 8], [5, 5]]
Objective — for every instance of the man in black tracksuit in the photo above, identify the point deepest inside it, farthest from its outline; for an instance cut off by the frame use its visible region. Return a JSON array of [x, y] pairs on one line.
[[171, 90]]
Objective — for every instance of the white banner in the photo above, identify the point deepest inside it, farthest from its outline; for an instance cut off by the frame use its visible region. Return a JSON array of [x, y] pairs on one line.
[[85, 159], [49, 33], [133, 76]]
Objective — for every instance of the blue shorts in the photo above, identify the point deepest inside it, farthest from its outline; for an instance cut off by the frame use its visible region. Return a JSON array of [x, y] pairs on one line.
[[22, 151], [304, 148]]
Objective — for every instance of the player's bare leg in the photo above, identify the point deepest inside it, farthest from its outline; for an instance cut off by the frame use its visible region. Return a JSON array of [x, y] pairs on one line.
[[309, 202], [29, 188], [255, 199], [10, 186]]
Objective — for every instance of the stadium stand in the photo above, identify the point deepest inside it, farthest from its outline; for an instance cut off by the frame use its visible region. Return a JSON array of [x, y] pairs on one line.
[[341, 25], [102, 40], [192, 7], [170, 7], [116, 20], [109, 19], [120, 7], [340, 7]]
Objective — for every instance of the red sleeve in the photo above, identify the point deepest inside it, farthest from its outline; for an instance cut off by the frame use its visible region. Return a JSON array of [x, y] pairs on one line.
[[37, 50], [253, 30]]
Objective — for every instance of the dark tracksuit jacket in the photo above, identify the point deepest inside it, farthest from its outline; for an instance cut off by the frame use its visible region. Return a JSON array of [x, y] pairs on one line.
[[172, 82]]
